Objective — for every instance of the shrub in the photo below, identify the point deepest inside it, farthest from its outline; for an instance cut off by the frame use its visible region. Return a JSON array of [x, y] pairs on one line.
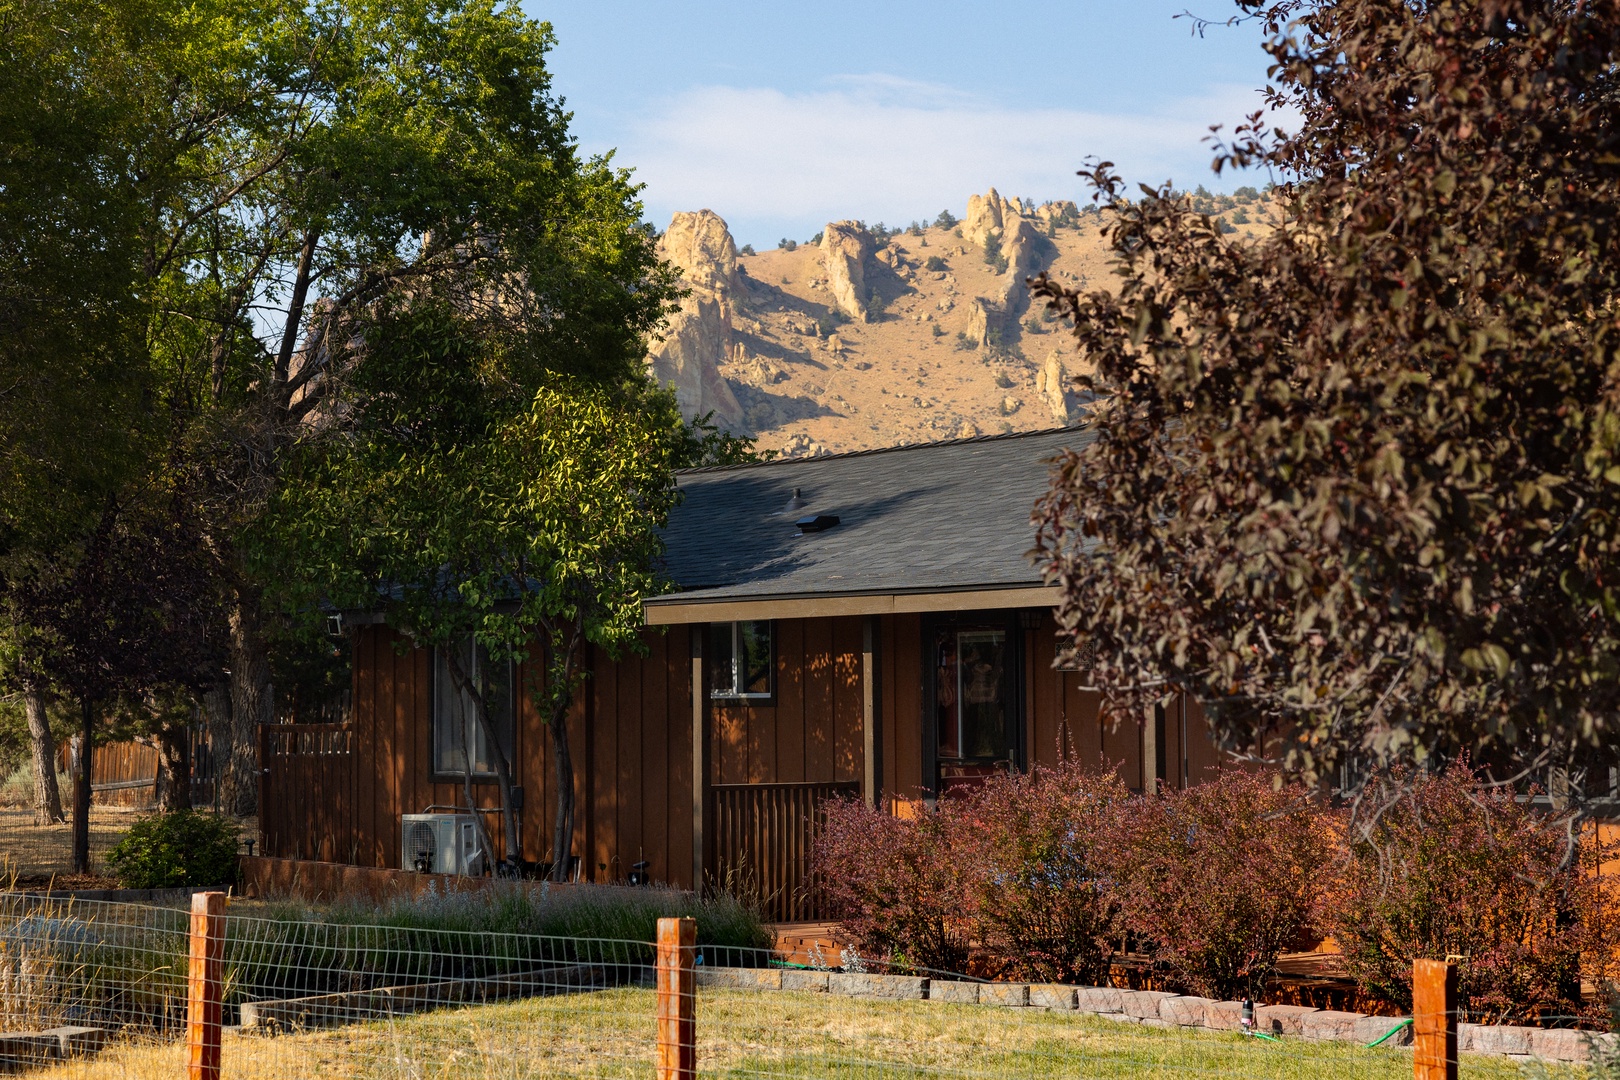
[[746, 249], [1042, 909], [993, 258], [1239, 216], [936, 263], [785, 244], [816, 239], [938, 331], [174, 850], [946, 220], [1219, 879], [895, 884], [1003, 381], [1455, 867]]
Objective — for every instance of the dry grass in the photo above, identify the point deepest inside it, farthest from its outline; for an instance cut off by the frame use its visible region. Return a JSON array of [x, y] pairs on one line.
[[611, 1034], [35, 853]]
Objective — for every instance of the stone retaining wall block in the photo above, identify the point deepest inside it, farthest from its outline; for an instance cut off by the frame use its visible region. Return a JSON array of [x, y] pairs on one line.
[[1494, 1039], [1329, 1025], [1558, 1044], [1143, 1004], [1098, 999], [1014, 995], [1371, 1028], [884, 987], [1051, 996], [814, 982], [1184, 1011], [740, 978], [1280, 1019], [960, 993]]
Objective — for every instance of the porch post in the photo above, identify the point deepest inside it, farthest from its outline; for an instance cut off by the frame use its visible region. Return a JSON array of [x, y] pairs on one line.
[[700, 754], [872, 709]]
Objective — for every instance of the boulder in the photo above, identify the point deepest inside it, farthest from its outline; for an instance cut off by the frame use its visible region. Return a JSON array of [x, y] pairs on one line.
[[845, 247], [698, 336]]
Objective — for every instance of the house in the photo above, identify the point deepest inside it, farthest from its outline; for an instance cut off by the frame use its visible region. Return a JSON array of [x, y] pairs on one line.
[[864, 625]]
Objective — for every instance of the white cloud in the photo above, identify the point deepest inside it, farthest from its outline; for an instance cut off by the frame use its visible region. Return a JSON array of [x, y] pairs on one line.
[[885, 148]]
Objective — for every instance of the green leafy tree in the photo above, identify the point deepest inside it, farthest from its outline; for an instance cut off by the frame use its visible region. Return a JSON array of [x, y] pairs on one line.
[[1356, 483], [467, 503], [280, 172]]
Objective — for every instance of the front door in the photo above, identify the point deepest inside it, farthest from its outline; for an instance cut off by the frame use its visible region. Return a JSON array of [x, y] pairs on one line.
[[972, 697]]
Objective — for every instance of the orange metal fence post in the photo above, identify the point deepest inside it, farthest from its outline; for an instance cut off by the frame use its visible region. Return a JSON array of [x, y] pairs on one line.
[[205, 985], [677, 987], [1434, 1020]]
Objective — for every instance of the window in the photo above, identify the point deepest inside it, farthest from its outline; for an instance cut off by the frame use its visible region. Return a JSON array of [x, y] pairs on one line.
[[459, 742], [970, 689], [741, 665]]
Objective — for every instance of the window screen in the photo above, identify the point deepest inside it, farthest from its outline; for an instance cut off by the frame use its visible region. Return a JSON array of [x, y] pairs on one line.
[[742, 659], [459, 741], [970, 689]]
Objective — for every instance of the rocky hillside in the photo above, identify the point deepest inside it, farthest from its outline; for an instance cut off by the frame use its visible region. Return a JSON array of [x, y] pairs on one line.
[[865, 338]]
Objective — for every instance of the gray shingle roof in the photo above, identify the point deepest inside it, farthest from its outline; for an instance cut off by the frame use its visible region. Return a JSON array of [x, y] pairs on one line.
[[940, 517]]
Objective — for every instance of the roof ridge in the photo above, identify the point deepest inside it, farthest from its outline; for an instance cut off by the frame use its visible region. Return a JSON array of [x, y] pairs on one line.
[[998, 437]]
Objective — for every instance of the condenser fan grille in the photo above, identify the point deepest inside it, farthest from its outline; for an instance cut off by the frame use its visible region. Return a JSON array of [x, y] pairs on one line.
[[422, 842]]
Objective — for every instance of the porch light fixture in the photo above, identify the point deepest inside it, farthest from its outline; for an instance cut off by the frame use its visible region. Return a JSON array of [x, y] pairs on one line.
[[817, 523]]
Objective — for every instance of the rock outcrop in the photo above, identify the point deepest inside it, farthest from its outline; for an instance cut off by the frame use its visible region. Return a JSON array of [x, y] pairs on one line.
[[845, 247], [1052, 384], [1022, 246], [699, 336]]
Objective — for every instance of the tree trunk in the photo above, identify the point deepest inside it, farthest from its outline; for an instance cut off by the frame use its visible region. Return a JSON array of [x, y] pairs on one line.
[[252, 704], [562, 836], [81, 787], [47, 798], [174, 767], [216, 707]]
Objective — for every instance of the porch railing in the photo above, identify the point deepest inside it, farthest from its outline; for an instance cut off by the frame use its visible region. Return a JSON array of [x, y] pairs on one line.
[[764, 834]]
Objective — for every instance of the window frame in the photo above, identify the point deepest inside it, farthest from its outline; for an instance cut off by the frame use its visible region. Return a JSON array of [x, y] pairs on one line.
[[734, 694], [508, 722]]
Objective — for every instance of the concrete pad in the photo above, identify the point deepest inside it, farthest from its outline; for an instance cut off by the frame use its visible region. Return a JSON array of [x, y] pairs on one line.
[[883, 987], [951, 990]]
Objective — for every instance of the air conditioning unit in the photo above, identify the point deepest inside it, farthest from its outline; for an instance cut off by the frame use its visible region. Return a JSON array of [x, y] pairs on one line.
[[440, 844]]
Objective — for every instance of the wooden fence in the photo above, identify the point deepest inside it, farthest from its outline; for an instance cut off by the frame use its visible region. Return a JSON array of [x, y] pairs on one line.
[[307, 791], [125, 773], [763, 837]]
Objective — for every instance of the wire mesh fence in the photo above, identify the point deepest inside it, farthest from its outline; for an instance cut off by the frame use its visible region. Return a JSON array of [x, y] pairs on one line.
[[108, 990]]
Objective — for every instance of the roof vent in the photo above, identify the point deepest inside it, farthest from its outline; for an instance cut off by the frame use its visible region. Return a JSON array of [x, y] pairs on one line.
[[818, 523], [795, 504]]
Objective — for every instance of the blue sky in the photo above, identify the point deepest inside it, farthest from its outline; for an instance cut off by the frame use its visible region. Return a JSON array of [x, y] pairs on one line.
[[783, 116]]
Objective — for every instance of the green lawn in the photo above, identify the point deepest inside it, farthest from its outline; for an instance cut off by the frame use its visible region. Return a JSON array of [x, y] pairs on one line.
[[744, 1034]]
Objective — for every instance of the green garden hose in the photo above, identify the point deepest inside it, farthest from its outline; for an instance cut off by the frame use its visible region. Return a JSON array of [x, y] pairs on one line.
[[1391, 1031]]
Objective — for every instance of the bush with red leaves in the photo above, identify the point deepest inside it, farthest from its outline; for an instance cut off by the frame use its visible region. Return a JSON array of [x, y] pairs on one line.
[[1217, 880], [1042, 909], [896, 885], [1452, 867]]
